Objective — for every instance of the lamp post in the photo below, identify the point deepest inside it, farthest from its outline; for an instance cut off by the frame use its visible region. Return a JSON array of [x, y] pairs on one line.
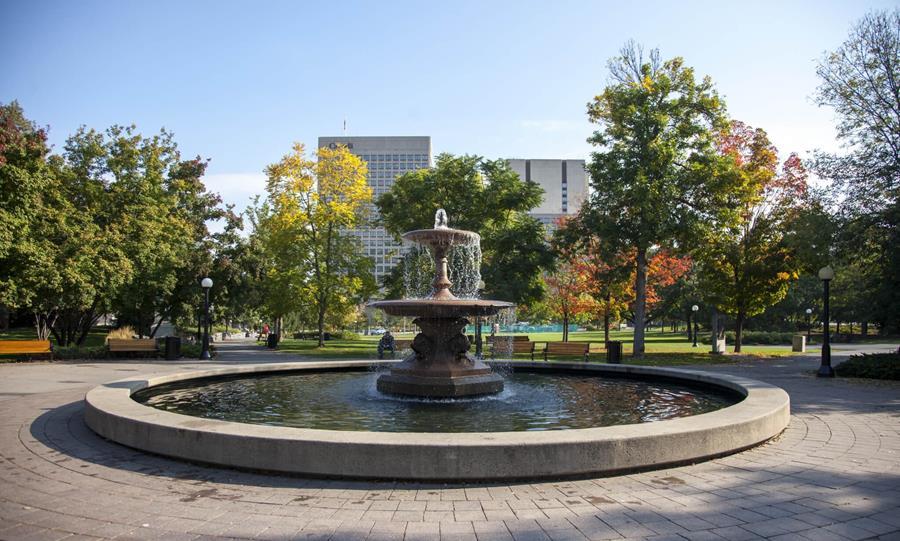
[[696, 327], [808, 325], [826, 274], [206, 283]]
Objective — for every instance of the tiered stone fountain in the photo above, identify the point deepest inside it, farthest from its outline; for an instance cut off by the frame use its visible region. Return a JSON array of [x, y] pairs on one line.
[[440, 365]]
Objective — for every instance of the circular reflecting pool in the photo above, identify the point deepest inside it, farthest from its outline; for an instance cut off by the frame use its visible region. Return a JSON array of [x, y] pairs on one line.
[[348, 400]]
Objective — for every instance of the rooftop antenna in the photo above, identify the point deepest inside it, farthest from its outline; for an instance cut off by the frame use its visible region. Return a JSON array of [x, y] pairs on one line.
[[345, 127]]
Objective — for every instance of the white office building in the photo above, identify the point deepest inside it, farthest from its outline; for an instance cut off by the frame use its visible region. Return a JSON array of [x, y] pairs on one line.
[[564, 182], [386, 157]]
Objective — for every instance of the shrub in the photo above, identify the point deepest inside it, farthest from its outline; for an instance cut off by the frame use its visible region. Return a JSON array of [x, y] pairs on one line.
[[83, 352], [345, 335], [756, 338], [871, 365], [192, 350], [122, 333]]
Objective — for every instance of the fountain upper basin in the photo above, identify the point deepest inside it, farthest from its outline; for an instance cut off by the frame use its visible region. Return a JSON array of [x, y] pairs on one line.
[[439, 308], [442, 237]]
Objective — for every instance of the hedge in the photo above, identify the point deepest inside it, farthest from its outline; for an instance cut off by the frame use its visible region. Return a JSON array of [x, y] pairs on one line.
[[871, 365]]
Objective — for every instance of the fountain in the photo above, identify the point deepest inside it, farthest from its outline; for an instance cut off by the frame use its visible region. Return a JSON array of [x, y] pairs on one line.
[[440, 365], [439, 414]]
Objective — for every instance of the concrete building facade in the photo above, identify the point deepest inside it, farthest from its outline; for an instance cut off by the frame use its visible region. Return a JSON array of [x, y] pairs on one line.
[[387, 157], [564, 182]]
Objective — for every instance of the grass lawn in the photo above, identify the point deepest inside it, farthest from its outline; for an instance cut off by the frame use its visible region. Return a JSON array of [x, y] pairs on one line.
[[96, 337], [662, 349]]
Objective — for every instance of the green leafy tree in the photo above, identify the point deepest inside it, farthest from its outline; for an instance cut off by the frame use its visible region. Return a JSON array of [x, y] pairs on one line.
[[61, 250], [311, 263], [24, 179], [483, 196], [158, 203], [861, 82], [654, 176]]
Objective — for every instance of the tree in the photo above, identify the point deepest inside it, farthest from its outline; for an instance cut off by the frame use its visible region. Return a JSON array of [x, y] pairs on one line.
[[747, 267], [606, 271], [60, 249], [568, 291], [482, 196], [654, 173], [311, 261], [861, 81], [148, 195], [664, 271], [24, 178]]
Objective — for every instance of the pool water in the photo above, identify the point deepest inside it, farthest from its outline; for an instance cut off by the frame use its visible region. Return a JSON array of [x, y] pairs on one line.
[[349, 400]]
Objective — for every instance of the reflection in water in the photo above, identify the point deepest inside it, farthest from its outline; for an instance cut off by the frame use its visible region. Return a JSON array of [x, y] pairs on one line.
[[350, 401]]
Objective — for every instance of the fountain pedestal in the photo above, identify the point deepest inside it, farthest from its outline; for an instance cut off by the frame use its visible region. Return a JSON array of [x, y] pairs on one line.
[[440, 365]]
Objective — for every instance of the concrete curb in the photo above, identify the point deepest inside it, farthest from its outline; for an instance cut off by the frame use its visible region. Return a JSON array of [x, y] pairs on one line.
[[764, 413]]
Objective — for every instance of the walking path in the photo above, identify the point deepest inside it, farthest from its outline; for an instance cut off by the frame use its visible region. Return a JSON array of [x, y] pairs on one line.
[[833, 474]]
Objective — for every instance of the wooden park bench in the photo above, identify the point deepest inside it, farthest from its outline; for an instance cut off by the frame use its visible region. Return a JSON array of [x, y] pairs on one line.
[[26, 348], [568, 348], [512, 347], [399, 345], [119, 345]]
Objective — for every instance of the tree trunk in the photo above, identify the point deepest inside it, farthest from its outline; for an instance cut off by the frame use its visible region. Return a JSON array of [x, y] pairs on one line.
[[565, 327], [43, 324], [738, 330], [640, 301], [321, 325], [864, 329], [690, 333]]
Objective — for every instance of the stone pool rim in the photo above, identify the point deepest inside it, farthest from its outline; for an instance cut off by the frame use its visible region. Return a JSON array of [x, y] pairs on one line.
[[468, 456]]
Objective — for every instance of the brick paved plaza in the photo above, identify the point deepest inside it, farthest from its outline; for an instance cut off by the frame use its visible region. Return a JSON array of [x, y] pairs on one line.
[[833, 474]]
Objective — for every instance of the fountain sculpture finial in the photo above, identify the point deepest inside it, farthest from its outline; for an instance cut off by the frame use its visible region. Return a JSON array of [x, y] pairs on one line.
[[440, 219]]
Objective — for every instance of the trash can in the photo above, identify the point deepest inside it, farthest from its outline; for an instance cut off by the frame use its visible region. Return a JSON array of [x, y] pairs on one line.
[[614, 352], [272, 340], [173, 348]]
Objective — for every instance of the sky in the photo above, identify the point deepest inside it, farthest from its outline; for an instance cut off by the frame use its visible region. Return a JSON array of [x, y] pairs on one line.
[[239, 82]]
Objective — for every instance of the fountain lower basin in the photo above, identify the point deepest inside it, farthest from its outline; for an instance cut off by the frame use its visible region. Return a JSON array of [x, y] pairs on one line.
[[472, 456]]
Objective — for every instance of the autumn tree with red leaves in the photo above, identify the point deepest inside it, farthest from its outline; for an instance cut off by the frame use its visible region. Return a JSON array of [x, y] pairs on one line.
[[664, 269], [747, 267], [604, 271], [568, 291]]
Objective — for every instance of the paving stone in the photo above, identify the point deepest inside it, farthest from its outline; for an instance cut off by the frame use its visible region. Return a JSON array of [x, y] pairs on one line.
[[830, 475]]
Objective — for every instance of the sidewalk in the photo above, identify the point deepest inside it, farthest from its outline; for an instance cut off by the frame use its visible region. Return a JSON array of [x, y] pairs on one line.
[[833, 474]]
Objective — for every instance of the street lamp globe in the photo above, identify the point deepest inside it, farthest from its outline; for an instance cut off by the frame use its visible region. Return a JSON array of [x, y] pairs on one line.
[[206, 283], [809, 311], [695, 308], [826, 273]]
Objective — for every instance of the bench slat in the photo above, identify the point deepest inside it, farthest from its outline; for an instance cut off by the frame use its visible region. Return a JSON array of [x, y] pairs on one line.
[[24, 346], [567, 348], [122, 345]]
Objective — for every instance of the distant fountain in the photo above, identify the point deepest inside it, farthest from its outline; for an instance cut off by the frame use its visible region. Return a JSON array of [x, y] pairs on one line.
[[440, 365]]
